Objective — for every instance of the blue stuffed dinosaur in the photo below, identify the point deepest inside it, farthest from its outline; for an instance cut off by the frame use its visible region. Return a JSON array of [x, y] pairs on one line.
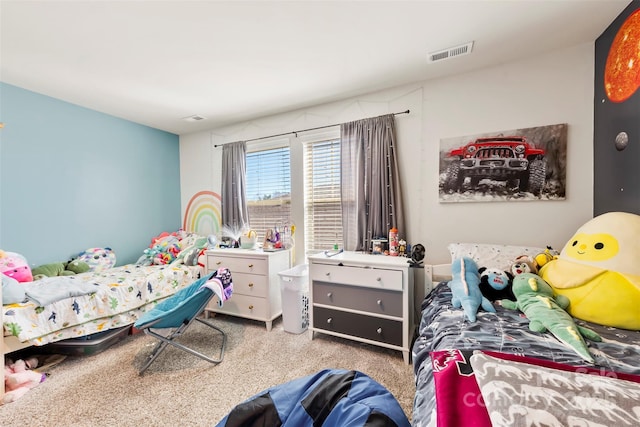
[[465, 288]]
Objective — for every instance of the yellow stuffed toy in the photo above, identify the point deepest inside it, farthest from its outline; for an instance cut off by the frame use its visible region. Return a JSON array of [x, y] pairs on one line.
[[599, 271]]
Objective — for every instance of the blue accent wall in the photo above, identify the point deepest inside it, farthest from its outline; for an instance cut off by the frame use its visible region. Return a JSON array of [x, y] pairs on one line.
[[73, 178]]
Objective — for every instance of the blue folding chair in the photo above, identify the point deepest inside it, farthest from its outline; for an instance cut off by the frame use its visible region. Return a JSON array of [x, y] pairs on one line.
[[176, 313]]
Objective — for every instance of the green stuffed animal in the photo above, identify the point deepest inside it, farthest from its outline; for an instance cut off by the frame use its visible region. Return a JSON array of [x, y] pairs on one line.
[[534, 297], [60, 269]]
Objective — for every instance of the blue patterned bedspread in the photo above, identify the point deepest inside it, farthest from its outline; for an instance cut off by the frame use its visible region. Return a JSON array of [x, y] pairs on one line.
[[507, 331]]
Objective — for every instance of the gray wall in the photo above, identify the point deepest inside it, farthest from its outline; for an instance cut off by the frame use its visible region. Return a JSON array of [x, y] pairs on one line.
[[73, 178], [553, 88]]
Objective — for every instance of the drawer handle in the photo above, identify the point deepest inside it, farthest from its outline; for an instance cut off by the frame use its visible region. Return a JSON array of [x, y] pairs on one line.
[[219, 262], [251, 285], [251, 307], [379, 302], [327, 274], [329, 320], [250, 265], [379, 331], [329, 295], [379, 279]]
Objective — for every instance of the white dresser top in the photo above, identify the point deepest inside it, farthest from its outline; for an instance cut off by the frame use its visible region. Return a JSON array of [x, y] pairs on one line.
[[240, 251], [361, 259]]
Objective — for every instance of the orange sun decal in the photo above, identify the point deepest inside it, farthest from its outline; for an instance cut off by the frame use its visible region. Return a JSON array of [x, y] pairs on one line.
[[622, 70]]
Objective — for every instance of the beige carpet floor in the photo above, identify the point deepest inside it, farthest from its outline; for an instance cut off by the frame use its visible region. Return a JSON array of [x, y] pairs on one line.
[[179, 389]]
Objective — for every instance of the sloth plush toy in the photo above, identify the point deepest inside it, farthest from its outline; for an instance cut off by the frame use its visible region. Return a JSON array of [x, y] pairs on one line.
[[495, 284]]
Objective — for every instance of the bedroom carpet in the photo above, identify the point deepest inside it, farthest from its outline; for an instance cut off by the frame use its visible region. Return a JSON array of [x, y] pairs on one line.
[[180, 389]]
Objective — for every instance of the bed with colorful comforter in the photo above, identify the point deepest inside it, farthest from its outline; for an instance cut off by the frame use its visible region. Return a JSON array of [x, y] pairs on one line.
[[103, 300], [500, 371], [448, 391]]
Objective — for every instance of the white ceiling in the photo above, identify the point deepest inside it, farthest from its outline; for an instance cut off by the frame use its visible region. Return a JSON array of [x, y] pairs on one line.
[[157, 62]]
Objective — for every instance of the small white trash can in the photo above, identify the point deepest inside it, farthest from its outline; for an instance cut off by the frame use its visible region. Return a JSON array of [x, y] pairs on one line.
[[295, 298]]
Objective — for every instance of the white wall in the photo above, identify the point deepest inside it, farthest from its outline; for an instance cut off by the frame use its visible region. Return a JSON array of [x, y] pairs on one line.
[[550, 89]]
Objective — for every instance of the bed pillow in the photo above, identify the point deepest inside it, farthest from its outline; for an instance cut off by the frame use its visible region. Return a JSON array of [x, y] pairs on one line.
[[98, 259], [492, 255]]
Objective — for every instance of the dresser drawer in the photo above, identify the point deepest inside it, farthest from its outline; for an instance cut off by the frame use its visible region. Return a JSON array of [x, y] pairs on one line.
[[238, 264], [250, 284], [376, 301], [357, 276], [358, 325], [244, 306]]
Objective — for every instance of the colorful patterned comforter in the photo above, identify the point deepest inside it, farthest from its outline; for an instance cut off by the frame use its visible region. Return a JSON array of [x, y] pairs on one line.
[[443, 328], [123, 294]]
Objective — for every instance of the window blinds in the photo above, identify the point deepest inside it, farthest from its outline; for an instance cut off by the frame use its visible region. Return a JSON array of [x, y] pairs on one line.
[[323, 213], [268, 189]]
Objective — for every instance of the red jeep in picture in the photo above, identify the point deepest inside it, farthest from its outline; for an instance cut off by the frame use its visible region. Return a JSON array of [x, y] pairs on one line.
[[501, 158]]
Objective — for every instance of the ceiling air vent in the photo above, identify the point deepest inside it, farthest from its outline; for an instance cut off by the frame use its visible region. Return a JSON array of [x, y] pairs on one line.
[[463, 49], [194, 118]]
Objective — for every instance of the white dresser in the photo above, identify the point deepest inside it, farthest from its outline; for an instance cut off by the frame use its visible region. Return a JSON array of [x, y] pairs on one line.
[[363, 297], [256, 283]]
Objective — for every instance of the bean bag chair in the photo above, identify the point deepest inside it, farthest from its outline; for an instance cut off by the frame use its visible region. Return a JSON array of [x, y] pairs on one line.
[[331, 397]]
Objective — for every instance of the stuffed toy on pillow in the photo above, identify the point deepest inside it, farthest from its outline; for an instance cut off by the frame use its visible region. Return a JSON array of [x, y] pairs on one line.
[[495, 284], [465, 288], [60, 269], [534, 297], [598, 270], [524, 264], [16, 266]]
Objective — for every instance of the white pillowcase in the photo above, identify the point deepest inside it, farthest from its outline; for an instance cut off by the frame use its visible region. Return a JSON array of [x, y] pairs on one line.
[[491, 255]]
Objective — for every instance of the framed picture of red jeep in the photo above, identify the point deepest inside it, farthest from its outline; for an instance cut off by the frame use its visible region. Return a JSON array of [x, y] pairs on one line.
[[508, 165]]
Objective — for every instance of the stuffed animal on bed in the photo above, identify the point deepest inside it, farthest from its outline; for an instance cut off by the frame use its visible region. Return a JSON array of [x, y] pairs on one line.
[[535, 298], [14, 265], [465, 288], [524, 264], [598, 270], [495, 284], [60, 269], [549, 254]]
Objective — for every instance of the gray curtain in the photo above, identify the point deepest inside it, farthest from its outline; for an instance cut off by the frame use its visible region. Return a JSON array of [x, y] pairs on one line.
[[370, 183], [234, 203]]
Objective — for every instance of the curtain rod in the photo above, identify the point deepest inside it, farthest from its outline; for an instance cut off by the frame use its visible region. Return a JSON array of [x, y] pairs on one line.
[[303, 130]]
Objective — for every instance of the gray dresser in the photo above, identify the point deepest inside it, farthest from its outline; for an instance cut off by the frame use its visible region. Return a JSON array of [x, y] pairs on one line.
[[363, 297]]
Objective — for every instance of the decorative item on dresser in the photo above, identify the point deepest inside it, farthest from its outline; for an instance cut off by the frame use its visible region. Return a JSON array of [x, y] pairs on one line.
[[256, 284], [363, 297]]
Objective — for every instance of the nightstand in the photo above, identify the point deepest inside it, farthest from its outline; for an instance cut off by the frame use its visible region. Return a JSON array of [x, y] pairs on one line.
[[363, 297], [256, 284]]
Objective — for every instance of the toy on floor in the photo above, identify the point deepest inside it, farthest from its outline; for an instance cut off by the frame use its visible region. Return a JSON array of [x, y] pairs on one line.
[[465, 288], [19, 379], [495, 284], [545, 313]]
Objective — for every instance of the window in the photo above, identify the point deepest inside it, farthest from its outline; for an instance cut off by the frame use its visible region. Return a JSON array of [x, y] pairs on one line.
[[323, 213], [268, 188]]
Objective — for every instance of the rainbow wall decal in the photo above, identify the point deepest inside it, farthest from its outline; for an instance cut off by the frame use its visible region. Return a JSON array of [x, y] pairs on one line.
[[203, 214]]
